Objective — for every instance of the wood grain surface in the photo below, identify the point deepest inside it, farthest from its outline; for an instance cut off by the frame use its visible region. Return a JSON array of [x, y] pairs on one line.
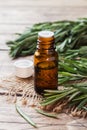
[[10, 119], [15, 17]]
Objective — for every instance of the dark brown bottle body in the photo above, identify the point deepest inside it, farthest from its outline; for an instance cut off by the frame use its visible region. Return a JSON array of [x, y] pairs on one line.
[[45, 65]]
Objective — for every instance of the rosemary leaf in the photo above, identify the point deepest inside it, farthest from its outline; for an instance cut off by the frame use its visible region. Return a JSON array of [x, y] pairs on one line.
[[82, 103], [25, 116], [46, 113]]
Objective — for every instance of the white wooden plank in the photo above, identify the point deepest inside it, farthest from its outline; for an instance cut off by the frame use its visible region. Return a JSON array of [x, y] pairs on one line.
[[12, 29], [4, 38], [36, 15], [42, 2]]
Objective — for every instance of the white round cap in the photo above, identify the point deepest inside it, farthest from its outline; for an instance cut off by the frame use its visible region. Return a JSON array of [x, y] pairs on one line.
[[23, 68], [46, 34], [23, 63]]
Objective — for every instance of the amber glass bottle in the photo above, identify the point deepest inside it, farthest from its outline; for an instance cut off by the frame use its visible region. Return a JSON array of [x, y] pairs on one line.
[[45, 63]]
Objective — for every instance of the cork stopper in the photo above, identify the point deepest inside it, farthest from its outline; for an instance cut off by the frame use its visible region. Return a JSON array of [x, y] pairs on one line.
[[46, 34]]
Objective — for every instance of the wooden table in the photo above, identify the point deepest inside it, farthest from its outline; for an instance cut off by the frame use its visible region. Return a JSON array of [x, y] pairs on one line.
[[15, 16]]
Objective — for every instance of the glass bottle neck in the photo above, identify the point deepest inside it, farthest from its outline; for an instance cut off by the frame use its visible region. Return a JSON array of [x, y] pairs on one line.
[[45, 43]]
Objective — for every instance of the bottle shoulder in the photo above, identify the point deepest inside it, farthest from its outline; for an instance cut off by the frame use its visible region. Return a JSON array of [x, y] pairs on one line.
[[41, 56], [45, 53]]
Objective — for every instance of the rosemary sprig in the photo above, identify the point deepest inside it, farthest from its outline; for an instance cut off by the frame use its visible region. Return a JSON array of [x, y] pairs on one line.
[[46, 113], [75, 94], [72, 69], [25, 116], [57, 96], [68, 34]]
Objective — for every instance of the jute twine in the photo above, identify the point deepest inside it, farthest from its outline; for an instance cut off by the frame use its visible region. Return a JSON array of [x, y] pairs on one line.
[[19, 90], [22, 91]]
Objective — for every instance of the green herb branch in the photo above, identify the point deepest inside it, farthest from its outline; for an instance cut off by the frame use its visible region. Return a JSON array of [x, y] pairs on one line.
[[74, 95], [68, 35]]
